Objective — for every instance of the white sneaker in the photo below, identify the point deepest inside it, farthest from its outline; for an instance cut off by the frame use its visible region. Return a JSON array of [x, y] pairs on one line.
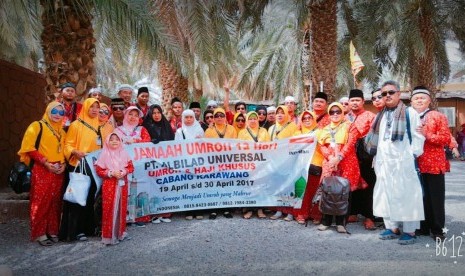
[[289, 217], [165, 219], [277, 215], [156, 220]]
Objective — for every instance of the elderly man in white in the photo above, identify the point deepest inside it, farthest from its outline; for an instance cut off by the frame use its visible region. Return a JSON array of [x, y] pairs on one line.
[[397, 196]]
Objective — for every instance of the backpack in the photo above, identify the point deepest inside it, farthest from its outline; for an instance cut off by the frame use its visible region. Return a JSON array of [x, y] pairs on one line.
[[334, 196], [20, 174]]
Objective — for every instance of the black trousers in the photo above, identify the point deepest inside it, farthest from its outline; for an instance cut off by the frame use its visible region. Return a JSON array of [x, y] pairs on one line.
[[434, 194], [327, 220], [362, 200]]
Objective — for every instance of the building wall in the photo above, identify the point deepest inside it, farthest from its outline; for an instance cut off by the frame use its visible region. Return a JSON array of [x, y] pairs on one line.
[[23, 101]]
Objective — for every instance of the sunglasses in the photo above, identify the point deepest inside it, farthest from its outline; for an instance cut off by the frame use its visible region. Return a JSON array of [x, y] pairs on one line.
[[240, 108], [56, 111], [379, 97], [335, 112], [219, 115], [390, 92], [104, 112], [346, 103], [208, 117], [118, 108], [307, 118], [240, 120], [261, 113]]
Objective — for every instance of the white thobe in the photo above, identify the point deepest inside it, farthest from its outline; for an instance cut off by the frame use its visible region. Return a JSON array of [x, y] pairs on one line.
[[397, 193]]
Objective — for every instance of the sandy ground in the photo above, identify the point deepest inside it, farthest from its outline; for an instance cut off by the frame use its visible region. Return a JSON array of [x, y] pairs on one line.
[[245, 247]]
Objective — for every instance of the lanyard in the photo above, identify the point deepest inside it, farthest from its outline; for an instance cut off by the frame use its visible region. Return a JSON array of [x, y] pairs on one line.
[[58, 136], [97, 131], [255, 138], [221, 135], [279, 131]]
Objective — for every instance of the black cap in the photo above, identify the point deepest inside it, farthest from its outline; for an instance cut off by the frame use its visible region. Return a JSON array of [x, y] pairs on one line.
[[321, 95], [142, 89], [194, 105], [356, 93], [67, 84], [117, 101]]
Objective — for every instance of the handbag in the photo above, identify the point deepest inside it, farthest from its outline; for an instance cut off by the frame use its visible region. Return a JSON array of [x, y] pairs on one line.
[[78, 186], [334, 199]]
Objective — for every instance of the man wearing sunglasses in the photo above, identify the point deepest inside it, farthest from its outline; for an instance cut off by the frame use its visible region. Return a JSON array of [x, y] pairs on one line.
[[362, 199], [68, 99], [432, 163], [393, 139], [117, 108]]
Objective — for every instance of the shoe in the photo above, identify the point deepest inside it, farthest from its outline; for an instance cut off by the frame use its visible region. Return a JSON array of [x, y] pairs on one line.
[[44, 241], [277, 215], [126, 238], [212, 216], [369, 224], [260, 214], [407, 239], [322, 227], [341, 229], [228, 215], [167, 220], [156, 220], [388, 234], [189, 217], [200, 217], [248, 215], [352, 219], [81, 237], [289, 217], [139, 224], [301, 220], [53, 238]]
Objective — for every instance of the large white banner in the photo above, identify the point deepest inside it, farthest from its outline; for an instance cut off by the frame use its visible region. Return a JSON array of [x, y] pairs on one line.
[[178, 176]]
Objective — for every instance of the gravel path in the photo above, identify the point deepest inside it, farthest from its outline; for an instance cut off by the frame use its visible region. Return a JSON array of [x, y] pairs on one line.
[[244, 247]]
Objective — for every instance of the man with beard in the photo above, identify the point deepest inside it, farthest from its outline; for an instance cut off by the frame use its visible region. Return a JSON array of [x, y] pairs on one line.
[[68, 99]]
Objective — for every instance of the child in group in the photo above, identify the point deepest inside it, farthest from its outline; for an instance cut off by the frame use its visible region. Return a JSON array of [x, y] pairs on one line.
[[113, 166]]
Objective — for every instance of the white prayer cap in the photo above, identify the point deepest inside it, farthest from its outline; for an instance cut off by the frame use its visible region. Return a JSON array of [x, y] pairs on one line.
[[270, 109], [125, 86], [95, 90], [212, 103], [343, 99], [289, 99]]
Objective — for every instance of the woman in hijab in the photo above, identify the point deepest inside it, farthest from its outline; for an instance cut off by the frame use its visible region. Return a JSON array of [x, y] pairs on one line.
[[337, 143], [238, 122], [47, 173], [283, 128], [83, 136], [103, 117], [309, 126], [157, 125], [262, 117], [253, 132], [130, 132], [207, 119], [113, 166], [190, 130]]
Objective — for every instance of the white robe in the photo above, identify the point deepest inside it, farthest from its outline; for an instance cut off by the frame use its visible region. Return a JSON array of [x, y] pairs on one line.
[[397, 193]]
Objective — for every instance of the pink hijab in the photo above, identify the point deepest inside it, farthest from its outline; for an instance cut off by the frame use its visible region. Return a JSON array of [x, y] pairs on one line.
[[126, 124], [113, 159]]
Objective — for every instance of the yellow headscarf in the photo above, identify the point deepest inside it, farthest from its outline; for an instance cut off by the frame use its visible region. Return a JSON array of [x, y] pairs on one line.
[[260, 132], [81, 137], [106, 128], [312, 126], [285, 129], [227, 130], [235, 123], [49, 146], [341, 128]]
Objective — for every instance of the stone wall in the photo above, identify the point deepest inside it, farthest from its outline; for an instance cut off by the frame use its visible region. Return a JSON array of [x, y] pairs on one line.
[[23, 101]]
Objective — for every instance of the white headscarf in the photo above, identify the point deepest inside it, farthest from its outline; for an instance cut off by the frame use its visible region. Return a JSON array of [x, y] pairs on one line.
[[190, 132]]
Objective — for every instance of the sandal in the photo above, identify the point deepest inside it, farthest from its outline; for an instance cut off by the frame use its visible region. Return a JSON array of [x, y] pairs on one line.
[[81, 237], [260, 214], [248, 215], [46, 242], [53, 238], [212, 216]]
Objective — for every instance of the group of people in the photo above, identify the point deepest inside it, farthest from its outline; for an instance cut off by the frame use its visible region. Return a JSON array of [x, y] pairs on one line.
[[394, 160]]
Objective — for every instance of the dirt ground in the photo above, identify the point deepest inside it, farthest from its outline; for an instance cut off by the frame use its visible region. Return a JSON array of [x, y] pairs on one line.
[[245, 247]]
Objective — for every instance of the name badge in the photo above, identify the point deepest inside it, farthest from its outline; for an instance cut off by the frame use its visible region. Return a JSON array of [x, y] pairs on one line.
[[67, 122], [99, 141]]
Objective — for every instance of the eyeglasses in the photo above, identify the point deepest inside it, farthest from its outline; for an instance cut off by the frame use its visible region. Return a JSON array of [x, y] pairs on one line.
[[56, 111], [286, 103], [208, 117], [346, 103], [240, 120], [240, 108], [335, 112], [261, 113], [390, 92], [379, 97], [307, 118], [104, 112], [219, 115], [118, 108]]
